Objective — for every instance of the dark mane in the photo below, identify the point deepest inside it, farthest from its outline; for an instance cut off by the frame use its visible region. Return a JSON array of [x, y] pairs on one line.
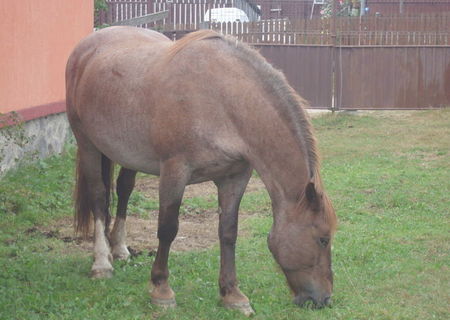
[[291, 108], [291, 104]]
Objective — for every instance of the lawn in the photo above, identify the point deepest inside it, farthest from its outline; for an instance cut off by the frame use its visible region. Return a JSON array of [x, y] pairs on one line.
[[388, 175]]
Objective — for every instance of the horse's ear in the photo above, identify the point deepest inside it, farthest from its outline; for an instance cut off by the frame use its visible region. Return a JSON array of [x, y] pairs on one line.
[[312, 196], [310, 192]]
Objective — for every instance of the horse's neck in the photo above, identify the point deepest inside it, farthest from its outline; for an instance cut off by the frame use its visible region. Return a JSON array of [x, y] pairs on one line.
[[284, 181], [262, 120], [280, 162]]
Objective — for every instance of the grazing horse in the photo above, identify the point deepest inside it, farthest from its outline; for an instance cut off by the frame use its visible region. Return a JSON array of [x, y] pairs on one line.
[[206, 107]]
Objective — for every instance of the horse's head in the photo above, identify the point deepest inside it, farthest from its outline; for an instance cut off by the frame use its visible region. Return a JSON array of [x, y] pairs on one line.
[[300, 241]]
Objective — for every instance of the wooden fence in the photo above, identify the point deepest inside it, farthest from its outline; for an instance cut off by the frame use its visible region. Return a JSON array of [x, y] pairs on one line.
[[189, 15], [368, 62], [359, 77], [309, 70]]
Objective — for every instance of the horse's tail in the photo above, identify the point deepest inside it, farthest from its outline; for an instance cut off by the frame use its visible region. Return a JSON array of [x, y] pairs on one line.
[[83, 202]]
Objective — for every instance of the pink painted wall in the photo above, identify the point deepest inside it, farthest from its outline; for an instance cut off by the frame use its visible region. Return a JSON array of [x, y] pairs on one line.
[[36, 38]]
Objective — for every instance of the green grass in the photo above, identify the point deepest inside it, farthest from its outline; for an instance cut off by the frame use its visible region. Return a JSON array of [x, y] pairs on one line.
[[388, 177]]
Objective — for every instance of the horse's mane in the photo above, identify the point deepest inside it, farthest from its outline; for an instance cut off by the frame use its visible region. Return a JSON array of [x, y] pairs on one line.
[[290, 106], [189, 38]]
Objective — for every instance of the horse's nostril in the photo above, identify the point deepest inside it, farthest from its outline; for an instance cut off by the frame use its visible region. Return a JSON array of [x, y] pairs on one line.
[[327, 301]]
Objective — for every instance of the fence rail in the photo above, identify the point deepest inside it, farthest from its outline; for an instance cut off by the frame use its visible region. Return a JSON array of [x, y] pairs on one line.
[[301, 32], [392, 38]]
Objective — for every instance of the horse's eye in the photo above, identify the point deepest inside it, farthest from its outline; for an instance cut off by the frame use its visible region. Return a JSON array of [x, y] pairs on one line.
[[324, 242]]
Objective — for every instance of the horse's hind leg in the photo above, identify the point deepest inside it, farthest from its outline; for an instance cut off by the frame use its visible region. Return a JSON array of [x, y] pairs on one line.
[[230, 190], [125, 185], [173, 178], [95, 170]]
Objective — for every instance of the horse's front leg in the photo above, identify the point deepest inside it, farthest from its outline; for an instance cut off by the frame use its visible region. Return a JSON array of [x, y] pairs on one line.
[[173, 179], [231, 190]]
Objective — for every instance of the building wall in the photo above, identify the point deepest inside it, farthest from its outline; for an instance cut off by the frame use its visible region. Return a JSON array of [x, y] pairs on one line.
[[37, 37]]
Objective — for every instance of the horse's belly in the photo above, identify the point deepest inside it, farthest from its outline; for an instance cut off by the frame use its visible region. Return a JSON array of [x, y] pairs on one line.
[[216, 171], [144, 160], [138, 163], [128, 149]]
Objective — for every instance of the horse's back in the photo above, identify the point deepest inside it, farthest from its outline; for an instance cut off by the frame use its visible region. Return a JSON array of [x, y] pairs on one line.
[[112, 37], [107, 50], [138, 105], [106, 44]]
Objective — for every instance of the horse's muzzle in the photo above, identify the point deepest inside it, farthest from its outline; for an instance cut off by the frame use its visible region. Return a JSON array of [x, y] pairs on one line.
[[312, 302]]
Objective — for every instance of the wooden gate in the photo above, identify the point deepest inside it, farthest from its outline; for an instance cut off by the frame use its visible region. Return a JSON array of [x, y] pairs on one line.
[[392, 77]]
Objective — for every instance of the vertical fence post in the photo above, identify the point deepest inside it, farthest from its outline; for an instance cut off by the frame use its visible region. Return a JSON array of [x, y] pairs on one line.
[[334, 95], [210, 6], [147, 8]]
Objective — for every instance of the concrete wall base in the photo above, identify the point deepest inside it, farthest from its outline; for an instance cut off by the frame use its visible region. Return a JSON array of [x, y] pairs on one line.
[[36, 139]]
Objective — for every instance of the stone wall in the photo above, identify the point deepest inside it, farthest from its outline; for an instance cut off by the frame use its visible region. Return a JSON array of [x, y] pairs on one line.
[[35, 139]]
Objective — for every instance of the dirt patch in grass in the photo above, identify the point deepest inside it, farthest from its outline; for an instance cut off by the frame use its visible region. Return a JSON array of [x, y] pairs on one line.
[[197, 230]]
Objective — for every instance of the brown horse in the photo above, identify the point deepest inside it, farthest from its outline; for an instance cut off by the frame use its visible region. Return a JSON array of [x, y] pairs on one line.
[[206, 107]]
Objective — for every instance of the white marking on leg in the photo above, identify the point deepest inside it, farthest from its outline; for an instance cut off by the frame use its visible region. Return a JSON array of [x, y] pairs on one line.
[[118, 240], [102, 253]]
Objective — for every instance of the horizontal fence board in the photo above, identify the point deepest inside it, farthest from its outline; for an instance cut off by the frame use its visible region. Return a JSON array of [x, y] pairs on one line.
[[142, 19]]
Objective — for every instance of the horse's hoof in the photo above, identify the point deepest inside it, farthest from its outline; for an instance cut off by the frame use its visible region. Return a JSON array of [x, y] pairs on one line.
[[121, 257], [163, 296], [101, 273], [120, 253], [164, 303], [244, 307]]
